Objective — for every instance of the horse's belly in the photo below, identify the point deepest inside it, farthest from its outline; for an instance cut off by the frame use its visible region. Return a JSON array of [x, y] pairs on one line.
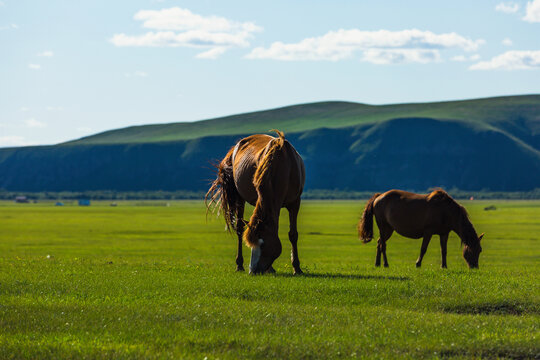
[[411, 234], [244, 185], [247, 192]]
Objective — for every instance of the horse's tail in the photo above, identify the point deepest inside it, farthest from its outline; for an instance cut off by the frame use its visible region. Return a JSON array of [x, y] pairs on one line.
[[262, 182], [365, 225], [223, 194]]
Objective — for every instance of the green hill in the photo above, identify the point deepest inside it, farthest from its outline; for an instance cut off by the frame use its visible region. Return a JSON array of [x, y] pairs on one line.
[[515, 114]]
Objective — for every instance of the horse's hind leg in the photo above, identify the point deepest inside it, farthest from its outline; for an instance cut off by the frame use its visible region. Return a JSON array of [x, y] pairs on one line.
[[444, 242], [383, 249], [425, 243], [293, 235], [240, 223], [385, 232]]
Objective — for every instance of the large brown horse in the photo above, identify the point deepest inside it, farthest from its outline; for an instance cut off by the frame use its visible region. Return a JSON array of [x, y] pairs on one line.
[[268, 173], [415, 216]]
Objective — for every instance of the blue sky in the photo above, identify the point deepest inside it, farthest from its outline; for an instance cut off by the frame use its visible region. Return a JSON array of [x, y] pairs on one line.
[[70, 69]]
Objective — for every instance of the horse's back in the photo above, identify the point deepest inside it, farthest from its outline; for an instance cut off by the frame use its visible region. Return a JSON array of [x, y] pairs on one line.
[[249, 149], [410, 214], [245, 155], [248, 153], [399, 199]]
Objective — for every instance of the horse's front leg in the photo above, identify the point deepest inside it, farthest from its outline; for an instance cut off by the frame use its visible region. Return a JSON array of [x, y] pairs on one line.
[[293, 235], [240, 223], [444, 242], [425, 243]]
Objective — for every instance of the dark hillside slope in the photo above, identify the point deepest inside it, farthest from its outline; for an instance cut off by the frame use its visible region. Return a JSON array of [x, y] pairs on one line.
[[410, 153]]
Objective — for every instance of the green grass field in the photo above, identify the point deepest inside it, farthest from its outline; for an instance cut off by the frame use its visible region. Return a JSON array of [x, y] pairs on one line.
[[142, 280]]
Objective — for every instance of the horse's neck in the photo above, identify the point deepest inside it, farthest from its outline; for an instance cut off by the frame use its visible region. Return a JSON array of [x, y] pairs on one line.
[[466, 231]]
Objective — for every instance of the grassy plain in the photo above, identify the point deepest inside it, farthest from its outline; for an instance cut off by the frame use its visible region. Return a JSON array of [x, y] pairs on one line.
[[143, 280]]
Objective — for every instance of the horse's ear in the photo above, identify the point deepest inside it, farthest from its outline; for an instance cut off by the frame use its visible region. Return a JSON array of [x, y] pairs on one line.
[[480, 237]]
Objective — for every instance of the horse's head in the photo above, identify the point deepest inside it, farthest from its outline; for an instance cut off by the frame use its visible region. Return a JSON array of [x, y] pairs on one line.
[[471, 252], [265, 247]]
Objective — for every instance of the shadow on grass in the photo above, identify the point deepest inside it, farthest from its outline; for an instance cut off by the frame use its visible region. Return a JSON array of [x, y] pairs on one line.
[[493, 308], [344, 276], [503, 353]]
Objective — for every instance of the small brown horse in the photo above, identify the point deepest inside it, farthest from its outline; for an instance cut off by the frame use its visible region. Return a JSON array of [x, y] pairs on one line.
[[415, 216], [268, 173]]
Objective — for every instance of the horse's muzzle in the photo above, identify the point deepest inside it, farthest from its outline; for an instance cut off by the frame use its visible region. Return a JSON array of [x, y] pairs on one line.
[[254, 266]]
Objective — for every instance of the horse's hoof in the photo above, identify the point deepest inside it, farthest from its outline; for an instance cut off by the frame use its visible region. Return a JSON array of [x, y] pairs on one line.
[[418, 265], [298, 272], [240, 268], [377, 265], [443, 267], [385, 265], [270, 270]]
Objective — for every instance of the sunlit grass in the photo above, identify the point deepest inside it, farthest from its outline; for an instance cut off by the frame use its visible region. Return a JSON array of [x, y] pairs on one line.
[[159, 282]]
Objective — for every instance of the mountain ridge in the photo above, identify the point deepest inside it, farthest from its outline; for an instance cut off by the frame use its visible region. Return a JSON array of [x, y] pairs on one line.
[[308, 116], [491, 143]]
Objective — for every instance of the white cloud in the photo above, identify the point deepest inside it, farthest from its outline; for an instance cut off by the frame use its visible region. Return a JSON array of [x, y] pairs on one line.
[[507, 7], [12, 140], [34, 66], [507, 42], [459, 58], [177, 27], [47, 53], [533, 11], [24, 109], [213, 53], [381, 47], [511, 60], [194, 38], [462, 58], [33, 123], [55, 108], [136, 74], [184, 20], [397, 56], [9, 27], [2, 3]]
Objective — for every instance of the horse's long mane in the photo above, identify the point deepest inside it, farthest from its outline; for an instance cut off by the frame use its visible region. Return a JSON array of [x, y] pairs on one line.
[[262, 173], [223, 195], [262, 182], [467, 232]]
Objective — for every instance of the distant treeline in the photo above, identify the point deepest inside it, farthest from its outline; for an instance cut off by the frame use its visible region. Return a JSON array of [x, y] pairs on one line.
[[104, 195], [456, 193], [199, 195]]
